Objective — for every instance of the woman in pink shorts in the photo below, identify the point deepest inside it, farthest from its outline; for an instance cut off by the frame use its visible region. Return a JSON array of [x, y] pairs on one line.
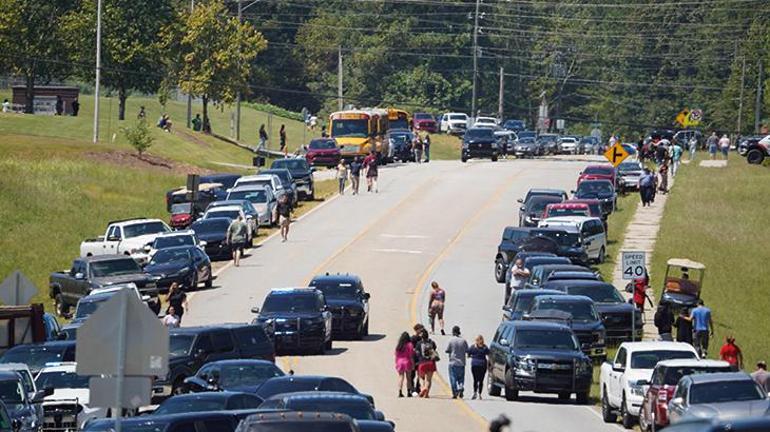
[[404, 363]]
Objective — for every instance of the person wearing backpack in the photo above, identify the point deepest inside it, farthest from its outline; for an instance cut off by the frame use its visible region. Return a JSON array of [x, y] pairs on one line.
[[646, 187], [426, 365]]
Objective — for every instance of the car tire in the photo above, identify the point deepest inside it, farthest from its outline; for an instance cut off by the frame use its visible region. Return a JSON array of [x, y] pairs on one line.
[[582, 398], [492, 389], [62, 308], [564, 396], [511, 393], [210, 280], [366, 329], [328, 345], [311, 197], [607, 415], [500, 270], [600, 258], [494, 158], [178, 387], [463, 159], [755, 157], [626, 419]]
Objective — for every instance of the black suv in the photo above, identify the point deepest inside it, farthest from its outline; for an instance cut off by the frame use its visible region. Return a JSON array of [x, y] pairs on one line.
[[521, 302], [192, 347], [531, 212], [301, 172], [585, 321], [300, 318], [348, 302], [538, 356], [603, 190], [480, 143], [507, 249], [614, 310]]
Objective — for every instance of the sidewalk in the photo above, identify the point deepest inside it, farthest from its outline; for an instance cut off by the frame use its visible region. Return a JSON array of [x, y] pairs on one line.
[[640, 236]]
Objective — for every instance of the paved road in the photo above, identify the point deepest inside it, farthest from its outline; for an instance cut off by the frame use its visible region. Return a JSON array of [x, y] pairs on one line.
[[438, 221]]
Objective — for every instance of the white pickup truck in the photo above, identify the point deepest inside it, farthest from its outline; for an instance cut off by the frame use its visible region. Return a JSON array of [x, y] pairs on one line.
[[624, 381], [126, 237]]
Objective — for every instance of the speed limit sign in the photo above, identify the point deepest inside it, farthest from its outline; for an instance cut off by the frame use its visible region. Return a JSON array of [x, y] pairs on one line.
[[633, 264]]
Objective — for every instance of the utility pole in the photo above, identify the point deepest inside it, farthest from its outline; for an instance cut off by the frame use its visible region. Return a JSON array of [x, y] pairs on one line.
[[500, 97], [758, 103], [339, 78], [98, 68], [475, 57], [740, 102], [189, 98], [238, 95]]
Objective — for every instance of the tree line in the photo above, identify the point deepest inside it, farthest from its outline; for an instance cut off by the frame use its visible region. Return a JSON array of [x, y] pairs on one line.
[[628, 66]]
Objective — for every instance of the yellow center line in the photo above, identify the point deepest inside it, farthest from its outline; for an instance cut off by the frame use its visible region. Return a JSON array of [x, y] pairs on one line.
[[422, 284]]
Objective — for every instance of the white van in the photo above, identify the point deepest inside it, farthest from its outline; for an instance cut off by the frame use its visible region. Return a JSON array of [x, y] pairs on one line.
[[590, 231]]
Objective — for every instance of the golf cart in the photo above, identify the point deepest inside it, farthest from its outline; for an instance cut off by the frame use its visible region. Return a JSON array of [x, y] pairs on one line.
[[682, 283]]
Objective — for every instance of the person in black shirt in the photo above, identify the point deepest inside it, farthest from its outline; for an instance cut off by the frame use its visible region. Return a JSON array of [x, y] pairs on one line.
[[284, 215], [355, 174], [663, 321], [683, 327], [177, 299]]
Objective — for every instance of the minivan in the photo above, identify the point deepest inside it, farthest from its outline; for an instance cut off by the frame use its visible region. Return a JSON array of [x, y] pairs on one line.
[[589, 231]]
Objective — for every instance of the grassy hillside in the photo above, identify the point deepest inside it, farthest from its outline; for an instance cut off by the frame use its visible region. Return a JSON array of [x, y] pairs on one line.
[[718, 216]]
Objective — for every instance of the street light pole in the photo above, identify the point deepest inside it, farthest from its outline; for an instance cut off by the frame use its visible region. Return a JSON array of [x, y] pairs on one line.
[[98, 68], [475, 56], [238, 96], [189, 98]]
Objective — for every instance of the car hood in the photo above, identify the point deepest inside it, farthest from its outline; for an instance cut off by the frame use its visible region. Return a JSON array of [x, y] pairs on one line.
[[322, 152], [343, 303], [480, 141], [288, 315], [212, 237], [730, 410], [166, 268], [581, 326], [634, 375], [109, 280], [82, 395], [550, 354], [244, 388], [139, 240], [260, 208], [631, 173], [593, 195], [614, 308], [299, 174]]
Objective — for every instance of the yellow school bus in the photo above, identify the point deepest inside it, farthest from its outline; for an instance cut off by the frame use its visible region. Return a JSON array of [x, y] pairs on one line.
[[399, 119], [358, 132]]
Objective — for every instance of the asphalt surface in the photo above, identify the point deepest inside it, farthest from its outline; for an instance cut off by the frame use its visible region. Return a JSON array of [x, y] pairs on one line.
[[439, 221]]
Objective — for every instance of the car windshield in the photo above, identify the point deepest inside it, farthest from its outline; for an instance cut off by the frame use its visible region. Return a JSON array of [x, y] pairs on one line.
[[232, 214], [458, 117], [648, 359], [537, 204], [190, 404], [571, 211], [527, 134], [115, 267], [34, 357], [725, 391], [629, 166], [274, 387], [254, 196], [480, 133], [165, 256], [594, 188], [292, 303], [598, 293], [546, 339], [562, 238], [674, 374], [336, 289], [598, 170], [523, 303], [283, 175], [247, 375], [211, 226], [61, 380], [143, 425], [527, 141], [350, 128], [322, 144], [171, 241], [181, 208], [87, 308], [180, 344], [12, 392], [264, 183], [580, 311], [423, 116], [295, 164], [145, 228], [356, 411]]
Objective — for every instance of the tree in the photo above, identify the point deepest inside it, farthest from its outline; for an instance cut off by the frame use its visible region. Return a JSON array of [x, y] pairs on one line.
[[30, 34], [215, 53], [130, 51], [139, 136]]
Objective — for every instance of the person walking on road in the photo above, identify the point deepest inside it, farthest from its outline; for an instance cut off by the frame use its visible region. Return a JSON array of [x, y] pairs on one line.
[[724, 145], [284, 216], [436, 307], [663, 173], [370, 163], [426, 365], [517, 276], [712, 142], [342, 175], [457, 350], [417, 148], [413, 375], [478, 353], [177, 299], [355, 174], [282, 137], [683, 327], [703, 326], [237, 236], [664, 320], [676, 158], [262, 137], [646, 187], [426, 147], [731, 353], [171, 320], [693, 147], [761, 376], [404, 363]]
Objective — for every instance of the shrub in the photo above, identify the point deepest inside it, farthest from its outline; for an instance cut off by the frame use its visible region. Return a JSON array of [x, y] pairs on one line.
[[139, 136]]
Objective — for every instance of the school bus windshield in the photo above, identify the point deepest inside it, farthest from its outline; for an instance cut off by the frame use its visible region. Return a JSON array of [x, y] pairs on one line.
[[358, 128]]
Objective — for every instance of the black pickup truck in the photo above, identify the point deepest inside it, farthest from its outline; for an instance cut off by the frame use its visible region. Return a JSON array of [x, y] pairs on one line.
[[94, 272], [508, 248]]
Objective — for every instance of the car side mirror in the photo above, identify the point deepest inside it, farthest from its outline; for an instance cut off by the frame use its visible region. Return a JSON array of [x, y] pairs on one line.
[[255, 310], [202, 243], [617, 367], [112, 238], [48, 391], [504, 342], [147, 248], [520, 200], [677, 401], [249, 217], [367, 296], [61, 336], [522, 208], [585, 347], [643, 382], [200, 354], [80, 276], [312, 169], [572, 191], [378, 415]]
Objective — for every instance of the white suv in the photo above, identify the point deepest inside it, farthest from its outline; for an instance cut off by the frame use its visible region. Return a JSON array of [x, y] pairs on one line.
[[590, 233], [453, 123], [68, 407]]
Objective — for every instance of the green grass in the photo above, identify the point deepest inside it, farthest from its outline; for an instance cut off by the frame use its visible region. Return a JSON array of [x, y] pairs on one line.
[[719, 217], [445, 147]]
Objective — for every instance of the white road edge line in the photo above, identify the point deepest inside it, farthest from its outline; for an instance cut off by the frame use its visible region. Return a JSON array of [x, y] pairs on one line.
[[404, 251]]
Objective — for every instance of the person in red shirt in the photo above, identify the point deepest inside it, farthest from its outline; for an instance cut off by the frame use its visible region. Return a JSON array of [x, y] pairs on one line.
[[640, 293], [731, 353]]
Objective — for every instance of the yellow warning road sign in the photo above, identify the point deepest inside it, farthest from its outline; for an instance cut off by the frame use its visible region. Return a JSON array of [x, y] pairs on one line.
[[616, 154]]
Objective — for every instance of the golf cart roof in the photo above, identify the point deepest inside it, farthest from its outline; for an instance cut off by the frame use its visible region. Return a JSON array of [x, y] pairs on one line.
[[684, 262]]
